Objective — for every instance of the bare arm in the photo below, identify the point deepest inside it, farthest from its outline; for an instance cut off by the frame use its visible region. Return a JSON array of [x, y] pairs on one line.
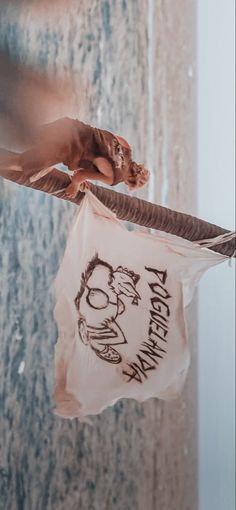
[[82, 175], [61, 141], [105, 168]]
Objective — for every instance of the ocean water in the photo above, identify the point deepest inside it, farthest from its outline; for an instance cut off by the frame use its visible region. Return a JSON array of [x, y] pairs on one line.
[[132, 66]]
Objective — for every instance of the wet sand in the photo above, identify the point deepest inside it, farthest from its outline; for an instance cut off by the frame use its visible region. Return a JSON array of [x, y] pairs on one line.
[[137, 456]]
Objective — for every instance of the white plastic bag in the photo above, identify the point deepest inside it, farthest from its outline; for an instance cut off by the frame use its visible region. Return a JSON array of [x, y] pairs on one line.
[[120, 300]]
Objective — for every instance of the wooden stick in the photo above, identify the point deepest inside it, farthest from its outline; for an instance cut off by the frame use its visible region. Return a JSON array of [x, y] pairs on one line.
[[129, 208]]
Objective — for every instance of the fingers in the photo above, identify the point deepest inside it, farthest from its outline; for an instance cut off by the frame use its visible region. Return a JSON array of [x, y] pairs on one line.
[[84, 186], [73, 189]]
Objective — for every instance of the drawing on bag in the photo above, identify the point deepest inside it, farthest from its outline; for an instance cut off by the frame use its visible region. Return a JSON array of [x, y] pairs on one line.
[[99, 305]]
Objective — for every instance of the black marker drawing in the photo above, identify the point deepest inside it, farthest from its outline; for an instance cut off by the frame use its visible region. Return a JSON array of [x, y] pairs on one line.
[[99, 305]]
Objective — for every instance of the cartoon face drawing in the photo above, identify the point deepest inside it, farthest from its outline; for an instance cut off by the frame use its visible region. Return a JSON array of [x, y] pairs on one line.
[[99, 305]]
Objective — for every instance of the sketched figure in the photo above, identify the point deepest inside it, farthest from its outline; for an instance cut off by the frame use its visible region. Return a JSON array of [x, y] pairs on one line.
[[99, 305]]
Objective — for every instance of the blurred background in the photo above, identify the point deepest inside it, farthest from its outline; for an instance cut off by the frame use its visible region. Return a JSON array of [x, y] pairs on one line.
[[160, 73], [216, 203]]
